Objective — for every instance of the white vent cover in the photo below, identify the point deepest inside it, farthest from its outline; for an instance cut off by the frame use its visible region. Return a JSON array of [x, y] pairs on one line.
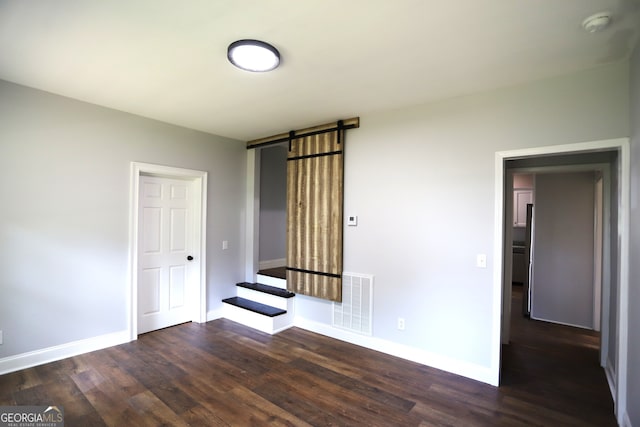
[[355, 312]]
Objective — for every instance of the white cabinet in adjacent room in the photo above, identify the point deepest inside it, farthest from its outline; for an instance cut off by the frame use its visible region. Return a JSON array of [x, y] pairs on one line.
[[520, 200]]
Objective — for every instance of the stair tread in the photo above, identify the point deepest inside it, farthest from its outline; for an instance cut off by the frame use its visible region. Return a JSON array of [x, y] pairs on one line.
[[272, 290], [256, 307], [277, 272]]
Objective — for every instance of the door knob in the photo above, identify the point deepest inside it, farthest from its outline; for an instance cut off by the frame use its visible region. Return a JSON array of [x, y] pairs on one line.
[[189, 258]]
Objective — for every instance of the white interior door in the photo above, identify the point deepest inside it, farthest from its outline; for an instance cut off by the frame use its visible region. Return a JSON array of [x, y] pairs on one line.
[[563, 285], [165, 244]]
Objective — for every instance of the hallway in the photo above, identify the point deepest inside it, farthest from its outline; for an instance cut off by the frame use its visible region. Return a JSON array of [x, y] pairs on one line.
[[556, 367]]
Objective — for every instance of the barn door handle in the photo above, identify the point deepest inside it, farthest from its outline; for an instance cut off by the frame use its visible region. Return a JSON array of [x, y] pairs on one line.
[[189, 258]]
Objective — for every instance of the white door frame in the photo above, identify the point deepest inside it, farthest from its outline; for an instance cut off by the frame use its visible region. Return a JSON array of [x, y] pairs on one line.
[[624, 161], [199, 180], [252, 219]]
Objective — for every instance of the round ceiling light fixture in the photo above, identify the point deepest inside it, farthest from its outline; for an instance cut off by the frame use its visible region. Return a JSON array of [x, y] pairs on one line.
[[253, 55], [597, 22]]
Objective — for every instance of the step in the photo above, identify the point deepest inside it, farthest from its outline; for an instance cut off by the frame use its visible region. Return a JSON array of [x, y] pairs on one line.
[[277, 272], [252, 313], [256, 307], [271, 290], [271, 281]]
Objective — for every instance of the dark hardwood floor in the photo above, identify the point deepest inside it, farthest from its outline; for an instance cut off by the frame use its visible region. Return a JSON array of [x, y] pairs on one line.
[[224, 374], [557, 367], [279, 272]]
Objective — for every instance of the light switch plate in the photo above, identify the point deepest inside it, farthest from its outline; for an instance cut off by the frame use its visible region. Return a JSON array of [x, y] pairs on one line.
[[352, 220]]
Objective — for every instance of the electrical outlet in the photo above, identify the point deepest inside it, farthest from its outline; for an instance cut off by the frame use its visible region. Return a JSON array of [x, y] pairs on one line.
[[225, 245], [400, 324]]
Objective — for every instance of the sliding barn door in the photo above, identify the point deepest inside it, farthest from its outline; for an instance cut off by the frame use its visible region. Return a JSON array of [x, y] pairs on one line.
[[314, 215]]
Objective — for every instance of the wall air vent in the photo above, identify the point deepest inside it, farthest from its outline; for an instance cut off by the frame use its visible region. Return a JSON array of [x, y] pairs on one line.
[[355, 312]]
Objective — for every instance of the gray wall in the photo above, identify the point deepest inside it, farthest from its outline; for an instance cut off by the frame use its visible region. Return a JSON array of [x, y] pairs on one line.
[[562, 288], [633, 393], [421, 181], [273, 203], [64, 222]]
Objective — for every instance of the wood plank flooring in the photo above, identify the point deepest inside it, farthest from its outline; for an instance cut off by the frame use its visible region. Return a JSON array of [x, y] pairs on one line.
[[556, 366], [224, 374], [278, 272]]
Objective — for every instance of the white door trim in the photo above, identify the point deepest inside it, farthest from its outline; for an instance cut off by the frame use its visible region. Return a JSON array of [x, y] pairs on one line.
[[252, 220], [622, 145], [199, 179]]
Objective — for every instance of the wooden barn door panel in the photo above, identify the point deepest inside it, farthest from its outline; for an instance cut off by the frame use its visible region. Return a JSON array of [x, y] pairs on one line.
[[314, 215]]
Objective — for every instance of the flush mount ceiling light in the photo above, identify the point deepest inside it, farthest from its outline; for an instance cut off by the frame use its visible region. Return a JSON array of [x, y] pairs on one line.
[[596, 22], [253, 55]]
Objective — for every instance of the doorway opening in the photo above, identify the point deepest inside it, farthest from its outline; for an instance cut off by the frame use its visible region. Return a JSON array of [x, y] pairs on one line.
[[555, 322], [613, 154], [555, 244], [272, 227]]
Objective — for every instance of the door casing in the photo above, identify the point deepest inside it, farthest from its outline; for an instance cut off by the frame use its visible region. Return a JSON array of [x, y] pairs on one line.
[[199, 180]]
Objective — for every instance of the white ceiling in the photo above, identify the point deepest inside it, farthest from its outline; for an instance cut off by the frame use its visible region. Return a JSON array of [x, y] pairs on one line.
[[166, 59]]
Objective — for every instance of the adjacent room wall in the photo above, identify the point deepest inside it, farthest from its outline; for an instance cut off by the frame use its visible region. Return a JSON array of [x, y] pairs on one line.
[[273, 203], [523, 180], [633, 377], [611, 367], [421, 181], [64, 221]]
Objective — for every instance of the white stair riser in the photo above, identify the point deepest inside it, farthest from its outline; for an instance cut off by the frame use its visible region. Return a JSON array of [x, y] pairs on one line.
[[272, 281], [269, 325], [280, 323], [263, 298]]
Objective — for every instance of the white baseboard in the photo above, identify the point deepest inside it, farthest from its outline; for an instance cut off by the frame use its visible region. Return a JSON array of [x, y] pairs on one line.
[[282, 328], [214, 314], [465, 369], [611, 379], [272, 263], [59, 352]]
